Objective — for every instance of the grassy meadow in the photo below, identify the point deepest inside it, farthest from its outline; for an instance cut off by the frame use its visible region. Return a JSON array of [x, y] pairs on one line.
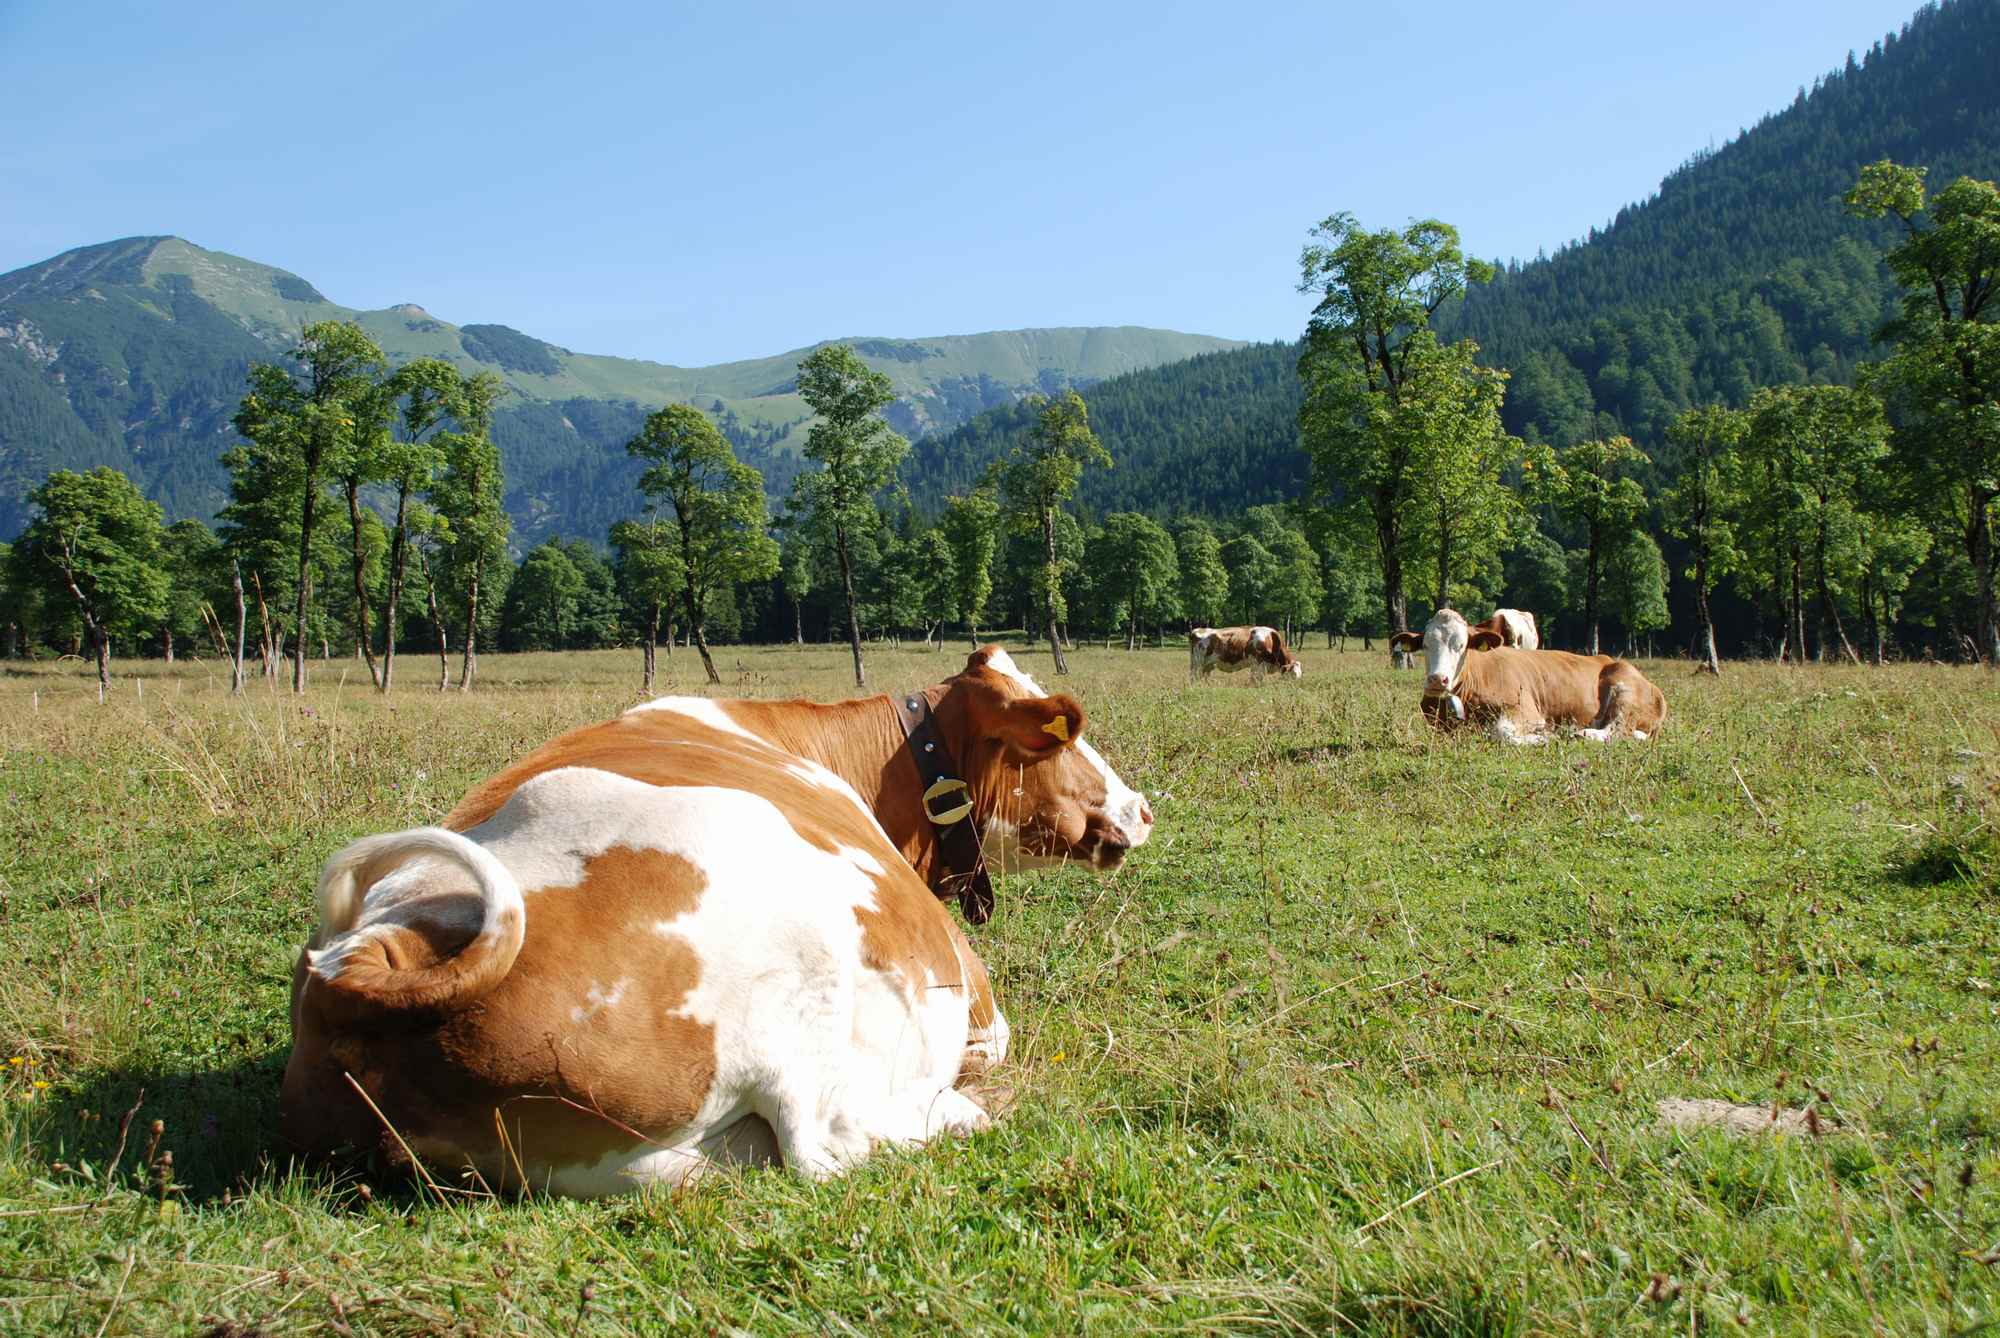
[[1369, 1038]]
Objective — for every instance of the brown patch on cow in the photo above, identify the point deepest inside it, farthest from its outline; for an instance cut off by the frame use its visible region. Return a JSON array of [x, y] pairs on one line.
[[568, 1089]]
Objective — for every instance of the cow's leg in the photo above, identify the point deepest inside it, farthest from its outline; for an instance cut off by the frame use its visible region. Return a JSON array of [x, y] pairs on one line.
[[1507, 729], [883, 1074], [1613, 696]]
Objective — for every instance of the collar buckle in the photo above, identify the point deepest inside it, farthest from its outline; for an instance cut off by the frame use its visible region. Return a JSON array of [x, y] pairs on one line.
[[940, 788]]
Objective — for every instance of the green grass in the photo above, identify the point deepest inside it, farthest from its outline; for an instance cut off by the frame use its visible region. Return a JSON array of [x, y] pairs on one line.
[[1368, 1039]]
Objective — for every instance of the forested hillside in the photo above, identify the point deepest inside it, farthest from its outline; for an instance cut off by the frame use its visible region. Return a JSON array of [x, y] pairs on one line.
[[135, 354], [1216, 433], [1742, 271]]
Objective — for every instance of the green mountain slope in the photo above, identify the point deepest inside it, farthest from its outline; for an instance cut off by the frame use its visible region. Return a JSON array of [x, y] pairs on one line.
[[1741, 271], [133, 353]]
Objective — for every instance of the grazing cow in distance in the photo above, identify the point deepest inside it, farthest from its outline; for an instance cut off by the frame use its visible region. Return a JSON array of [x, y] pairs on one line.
[[1520, 695], [702, 932], [1262, 650]]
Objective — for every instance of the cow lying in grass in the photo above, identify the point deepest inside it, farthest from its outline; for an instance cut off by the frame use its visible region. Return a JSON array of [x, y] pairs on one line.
[[704, 931], [1520, 695]]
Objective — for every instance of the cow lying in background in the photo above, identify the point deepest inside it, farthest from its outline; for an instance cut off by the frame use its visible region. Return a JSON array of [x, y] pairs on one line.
[[1513, 627], [704, 931], [1261, 650], [1522, 694]]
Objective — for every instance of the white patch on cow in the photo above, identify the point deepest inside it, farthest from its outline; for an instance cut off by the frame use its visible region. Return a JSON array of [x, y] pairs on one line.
[[835, 1055], [1506, 731], [813, 773], [743, 1141], [1521, 626], [597, 1000], [702, 709], [1640, 735], [1000, 662], [1122, 804], [862, 860]]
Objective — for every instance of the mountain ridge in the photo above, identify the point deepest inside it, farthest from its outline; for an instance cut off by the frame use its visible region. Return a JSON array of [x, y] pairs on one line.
[[147, 339]]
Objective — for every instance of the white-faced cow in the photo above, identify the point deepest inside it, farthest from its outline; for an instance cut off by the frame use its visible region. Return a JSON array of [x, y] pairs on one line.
[[703, 931], [1520, 695], [1261, 650]]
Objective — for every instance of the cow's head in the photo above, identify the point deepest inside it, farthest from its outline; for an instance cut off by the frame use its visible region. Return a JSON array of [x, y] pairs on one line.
[[1283, 660], [1446, 640], [1041, 793]]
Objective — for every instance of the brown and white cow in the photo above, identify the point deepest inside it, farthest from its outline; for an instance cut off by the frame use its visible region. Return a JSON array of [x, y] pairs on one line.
[[1513, 627], [699, 932], [1520, 695], [1262, 650]]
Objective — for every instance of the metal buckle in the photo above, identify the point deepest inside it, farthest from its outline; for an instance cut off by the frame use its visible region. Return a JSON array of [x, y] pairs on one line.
[[950, 815]]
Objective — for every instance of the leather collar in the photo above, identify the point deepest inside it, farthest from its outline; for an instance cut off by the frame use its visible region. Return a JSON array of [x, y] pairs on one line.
[[960, 867]]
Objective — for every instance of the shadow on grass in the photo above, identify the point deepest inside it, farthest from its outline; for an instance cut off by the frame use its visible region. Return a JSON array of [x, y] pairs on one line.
[[1325, 752], [221, 1125]]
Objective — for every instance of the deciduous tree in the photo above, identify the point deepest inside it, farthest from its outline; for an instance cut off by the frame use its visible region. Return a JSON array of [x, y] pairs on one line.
[[1699, 503], [1587, 486], [971, 526], [1039, 478], [1204, 579], [1944, 375], [1368, 336], [314, 418], [95, 540], [857, 454], [716, 508]]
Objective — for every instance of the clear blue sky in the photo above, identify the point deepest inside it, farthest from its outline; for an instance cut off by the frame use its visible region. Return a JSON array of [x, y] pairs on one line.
[[698, 184]]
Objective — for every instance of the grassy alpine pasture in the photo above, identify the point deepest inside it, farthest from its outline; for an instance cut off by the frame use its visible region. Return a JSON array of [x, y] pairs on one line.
[[1368, 1039]]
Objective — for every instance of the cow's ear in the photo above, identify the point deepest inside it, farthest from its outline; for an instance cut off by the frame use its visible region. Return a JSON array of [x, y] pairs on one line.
[[1407, 641], [1031, 728], [1484, 641]]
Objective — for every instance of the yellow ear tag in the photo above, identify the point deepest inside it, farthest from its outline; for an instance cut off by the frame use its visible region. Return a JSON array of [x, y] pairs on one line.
[[1058, 727]]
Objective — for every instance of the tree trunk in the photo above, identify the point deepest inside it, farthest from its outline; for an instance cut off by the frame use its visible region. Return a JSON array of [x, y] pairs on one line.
[[1707, 624], [1395, 605], [468, 664], [798, 624], [167, 641], [1874, 623], [242, 621], [652, 646], [1796, 629], [308, 510], [102, 642], [1981, 534], [1132, 628], [399, 556], [437, 621], [1590, 593], [361, 640], [1829, 613], [1049, 588], [846, 585], [699, 634]]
